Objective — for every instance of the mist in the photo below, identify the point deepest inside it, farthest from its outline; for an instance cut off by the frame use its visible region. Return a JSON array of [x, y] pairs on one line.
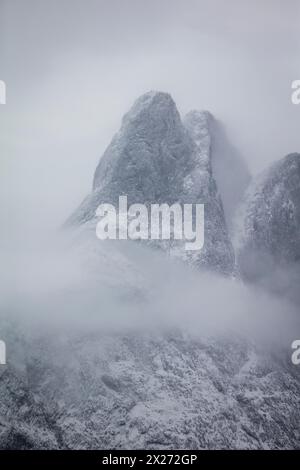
[[115, 344], [73, 68], [71, 285]]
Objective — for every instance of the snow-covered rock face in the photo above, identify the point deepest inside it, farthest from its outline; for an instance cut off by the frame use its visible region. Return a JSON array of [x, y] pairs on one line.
[[149, 391], [154, 158], [147, 157], [120, 359], [268, 223], [229, 170]]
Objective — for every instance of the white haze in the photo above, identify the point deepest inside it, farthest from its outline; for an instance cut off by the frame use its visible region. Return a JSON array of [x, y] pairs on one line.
[[72, 69], [58, 288]]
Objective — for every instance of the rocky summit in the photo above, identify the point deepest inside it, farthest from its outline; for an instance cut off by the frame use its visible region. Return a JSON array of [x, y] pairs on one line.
[[155, 158]]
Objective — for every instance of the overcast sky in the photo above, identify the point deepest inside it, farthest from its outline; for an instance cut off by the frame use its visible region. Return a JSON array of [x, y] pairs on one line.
[[74, 67]]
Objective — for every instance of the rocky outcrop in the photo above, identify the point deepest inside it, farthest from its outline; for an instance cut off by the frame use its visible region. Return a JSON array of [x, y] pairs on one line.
[[267, 236], [137, 352], [150, 391], [228, 167], [155, 159]]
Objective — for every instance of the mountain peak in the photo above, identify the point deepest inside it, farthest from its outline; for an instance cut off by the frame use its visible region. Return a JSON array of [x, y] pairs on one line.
[[152, 97], [155, 159], [268, 227], [152, 103], [196, 116]]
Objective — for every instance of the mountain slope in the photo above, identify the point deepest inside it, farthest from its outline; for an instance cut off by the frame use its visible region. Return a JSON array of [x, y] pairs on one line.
[[154, 159], [229, 170], [150, 391], [268, 228]]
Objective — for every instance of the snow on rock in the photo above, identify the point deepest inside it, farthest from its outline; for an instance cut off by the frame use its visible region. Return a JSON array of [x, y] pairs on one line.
[[229, 169], [150, 391], [154, 159], [267, 237], [82, 385]]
